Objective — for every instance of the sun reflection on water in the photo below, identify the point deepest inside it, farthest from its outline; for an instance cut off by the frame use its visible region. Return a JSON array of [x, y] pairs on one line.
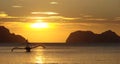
[[38, 57]]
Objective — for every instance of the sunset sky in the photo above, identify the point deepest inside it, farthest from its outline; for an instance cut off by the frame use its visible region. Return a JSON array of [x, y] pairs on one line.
[[54, 20]]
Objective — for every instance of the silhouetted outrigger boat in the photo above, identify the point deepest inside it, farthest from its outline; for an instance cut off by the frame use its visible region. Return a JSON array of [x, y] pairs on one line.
[[28, 47]]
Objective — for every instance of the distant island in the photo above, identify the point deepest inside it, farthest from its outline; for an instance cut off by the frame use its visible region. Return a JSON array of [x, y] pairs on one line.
[[88, 37], [7, 37]]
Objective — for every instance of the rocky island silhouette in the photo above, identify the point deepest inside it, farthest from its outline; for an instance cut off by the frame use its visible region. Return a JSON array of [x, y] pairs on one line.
[[7, 37], [88, 37]]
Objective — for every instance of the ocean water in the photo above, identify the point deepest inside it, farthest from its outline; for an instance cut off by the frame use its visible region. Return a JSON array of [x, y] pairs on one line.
[[62, 55]]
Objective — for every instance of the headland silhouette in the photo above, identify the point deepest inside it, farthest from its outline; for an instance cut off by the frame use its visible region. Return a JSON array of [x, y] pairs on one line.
[[7, 37], [88, 37]]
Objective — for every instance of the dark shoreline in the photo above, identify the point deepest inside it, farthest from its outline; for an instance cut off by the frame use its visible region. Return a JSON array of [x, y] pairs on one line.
[[61, 44]]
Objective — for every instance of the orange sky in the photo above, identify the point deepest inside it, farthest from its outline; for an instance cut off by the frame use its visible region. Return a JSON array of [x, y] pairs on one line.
[[54, 20], [55, 32]]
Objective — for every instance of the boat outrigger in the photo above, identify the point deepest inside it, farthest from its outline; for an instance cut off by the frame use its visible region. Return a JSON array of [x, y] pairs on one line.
[[28, 47]]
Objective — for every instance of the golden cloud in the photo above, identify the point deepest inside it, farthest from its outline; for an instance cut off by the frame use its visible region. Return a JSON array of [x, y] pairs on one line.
[[17, 6], [53, 18], [96, 19], [117, 19], [3, 14], [45, 13], [61, 17], [54, 3]]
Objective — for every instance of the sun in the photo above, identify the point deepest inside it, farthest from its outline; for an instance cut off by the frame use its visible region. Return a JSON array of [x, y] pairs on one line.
[[39, 25]]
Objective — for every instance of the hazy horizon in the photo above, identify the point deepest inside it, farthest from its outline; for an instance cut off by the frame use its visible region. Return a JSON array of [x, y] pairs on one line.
[[54, 20]]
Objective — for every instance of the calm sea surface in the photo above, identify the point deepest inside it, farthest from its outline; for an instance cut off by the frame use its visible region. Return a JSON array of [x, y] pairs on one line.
[[61, 55]]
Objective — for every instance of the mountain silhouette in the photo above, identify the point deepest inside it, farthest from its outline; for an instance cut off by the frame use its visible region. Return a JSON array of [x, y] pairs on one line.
[[79, 37], [6, 36]]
